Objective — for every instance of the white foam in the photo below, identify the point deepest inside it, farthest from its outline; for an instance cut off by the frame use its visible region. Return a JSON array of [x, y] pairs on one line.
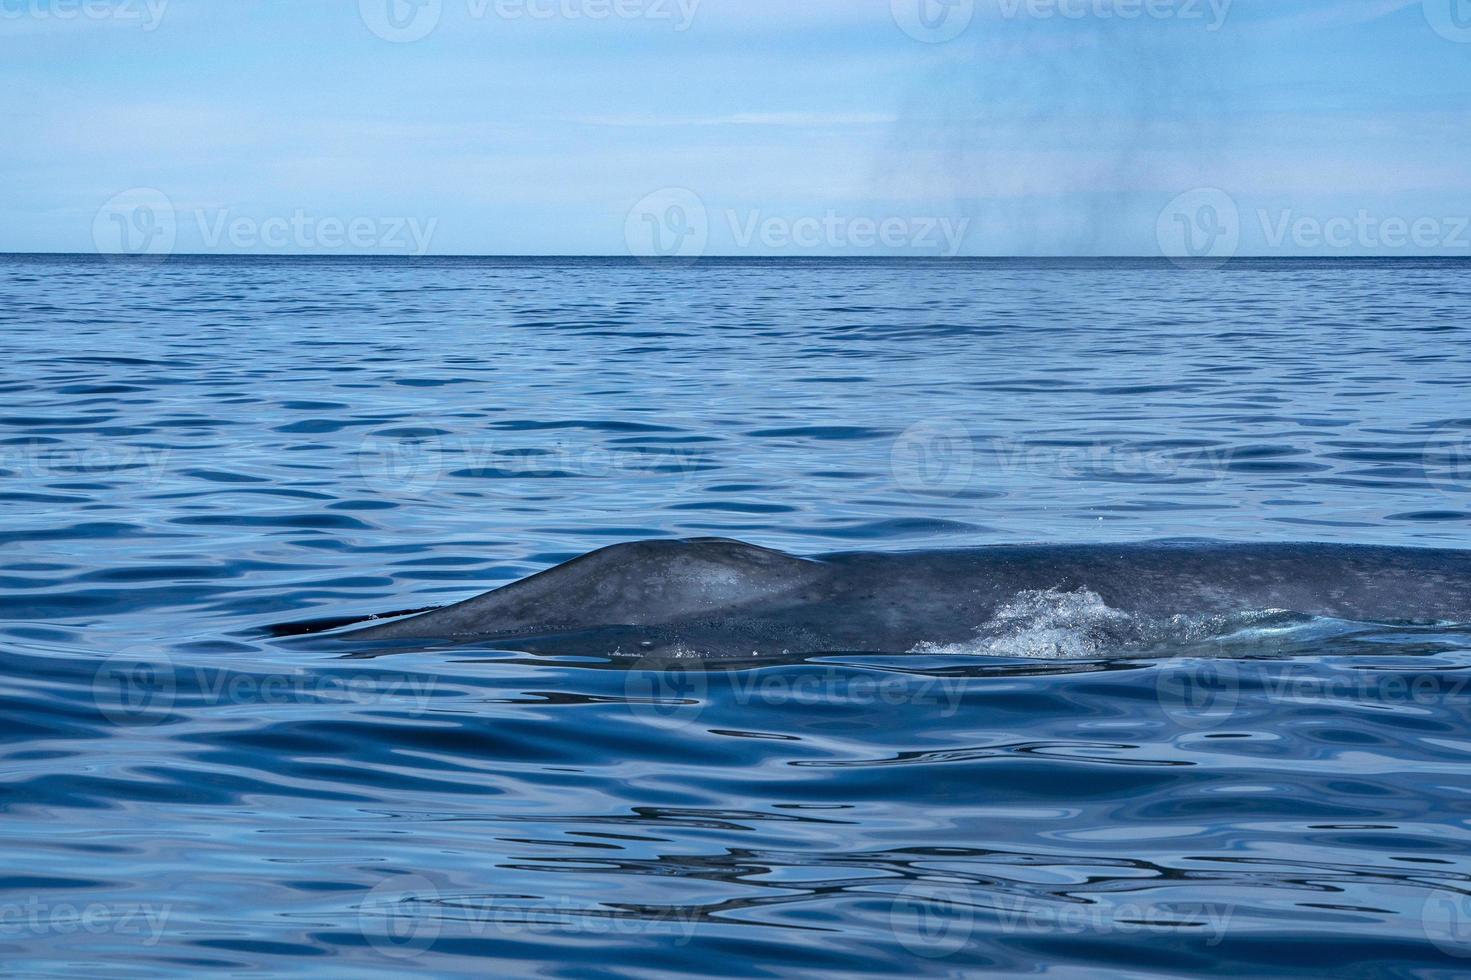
[[1056, 625]]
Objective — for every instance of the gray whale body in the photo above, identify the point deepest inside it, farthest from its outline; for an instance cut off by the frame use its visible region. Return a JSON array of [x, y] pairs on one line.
[[712, 597]]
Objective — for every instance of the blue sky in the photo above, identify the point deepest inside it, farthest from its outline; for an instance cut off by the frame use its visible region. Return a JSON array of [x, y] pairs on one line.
[[847, 127]]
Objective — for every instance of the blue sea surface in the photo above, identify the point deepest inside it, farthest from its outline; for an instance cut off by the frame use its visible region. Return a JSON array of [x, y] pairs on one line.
[[196, 451]]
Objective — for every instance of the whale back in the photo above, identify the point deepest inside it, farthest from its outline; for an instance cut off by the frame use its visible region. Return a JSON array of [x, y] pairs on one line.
[[716, 597], [635, 584]]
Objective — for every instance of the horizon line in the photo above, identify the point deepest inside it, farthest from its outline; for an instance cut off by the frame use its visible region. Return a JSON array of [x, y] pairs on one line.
[[161, 258]]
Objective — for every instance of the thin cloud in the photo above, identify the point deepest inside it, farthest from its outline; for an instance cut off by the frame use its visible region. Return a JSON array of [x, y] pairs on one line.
[[1340, 13], [745, 119]]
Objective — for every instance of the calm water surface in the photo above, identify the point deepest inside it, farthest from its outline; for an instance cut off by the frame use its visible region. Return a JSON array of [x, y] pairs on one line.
[[197, 451]]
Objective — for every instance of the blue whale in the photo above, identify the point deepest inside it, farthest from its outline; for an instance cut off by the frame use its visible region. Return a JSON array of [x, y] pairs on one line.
[[717, 598]]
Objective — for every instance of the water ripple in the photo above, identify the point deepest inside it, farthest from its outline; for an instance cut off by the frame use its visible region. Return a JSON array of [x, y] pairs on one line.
[[195, 452]]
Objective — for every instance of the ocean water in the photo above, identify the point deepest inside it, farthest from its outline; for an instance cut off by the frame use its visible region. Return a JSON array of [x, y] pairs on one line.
[[196, 451]]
